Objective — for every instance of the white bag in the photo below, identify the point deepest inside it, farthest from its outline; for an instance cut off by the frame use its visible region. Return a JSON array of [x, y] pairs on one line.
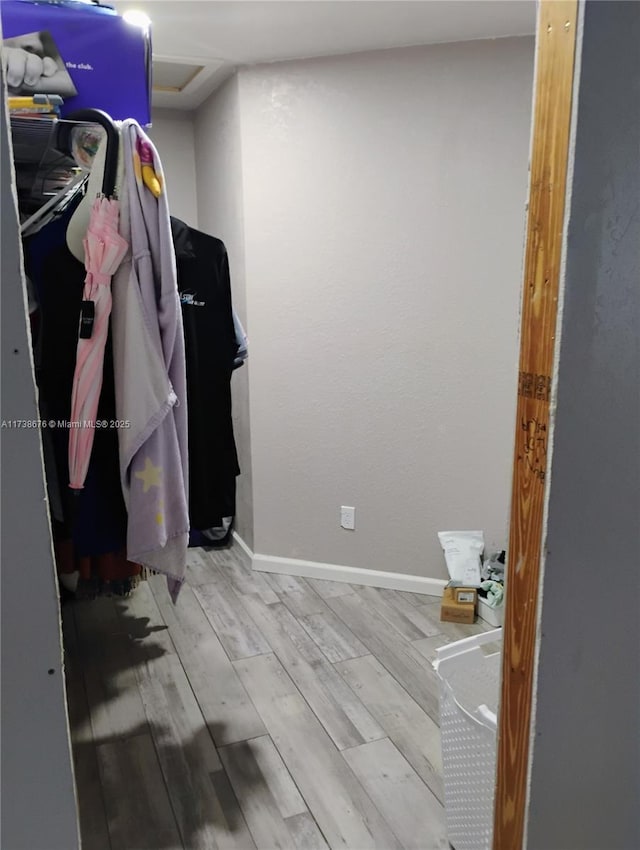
[[463, 551]]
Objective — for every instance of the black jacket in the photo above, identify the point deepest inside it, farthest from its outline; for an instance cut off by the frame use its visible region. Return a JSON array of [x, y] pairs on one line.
[[210, 347]]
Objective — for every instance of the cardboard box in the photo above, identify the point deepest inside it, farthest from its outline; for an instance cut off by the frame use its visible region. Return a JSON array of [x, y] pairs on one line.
[[465, 595], [458, 605]]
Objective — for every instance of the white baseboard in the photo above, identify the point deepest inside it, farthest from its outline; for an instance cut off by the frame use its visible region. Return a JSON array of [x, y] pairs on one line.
[[247, 551], [355, 575], [351, 575]]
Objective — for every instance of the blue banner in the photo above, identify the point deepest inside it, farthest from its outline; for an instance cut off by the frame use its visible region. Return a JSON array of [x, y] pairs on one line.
[[85, 53]]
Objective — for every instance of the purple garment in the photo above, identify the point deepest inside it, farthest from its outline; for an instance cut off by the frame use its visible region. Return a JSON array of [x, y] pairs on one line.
[[150, 372]]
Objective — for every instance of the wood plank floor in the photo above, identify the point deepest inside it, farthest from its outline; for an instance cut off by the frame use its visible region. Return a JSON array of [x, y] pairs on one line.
[[262, 712]]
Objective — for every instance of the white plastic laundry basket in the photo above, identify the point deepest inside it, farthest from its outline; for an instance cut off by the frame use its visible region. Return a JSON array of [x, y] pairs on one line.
[[469, 695]]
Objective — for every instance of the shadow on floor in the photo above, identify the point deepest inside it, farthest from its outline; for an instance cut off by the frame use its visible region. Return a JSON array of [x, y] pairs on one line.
[[100, 666], [159, 795], [152, 793]]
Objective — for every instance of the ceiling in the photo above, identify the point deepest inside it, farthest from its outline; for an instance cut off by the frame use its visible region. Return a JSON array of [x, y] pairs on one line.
[[212, 37]]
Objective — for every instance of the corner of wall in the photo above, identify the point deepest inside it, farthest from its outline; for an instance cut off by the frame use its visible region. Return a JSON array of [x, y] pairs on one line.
[[221, 211], [173, 133]]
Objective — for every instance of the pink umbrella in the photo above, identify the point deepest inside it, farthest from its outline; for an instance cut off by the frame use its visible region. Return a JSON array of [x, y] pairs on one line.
[[104, 250]]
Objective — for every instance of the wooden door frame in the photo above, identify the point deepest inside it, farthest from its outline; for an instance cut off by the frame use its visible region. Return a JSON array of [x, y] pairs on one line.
[[550, 151]]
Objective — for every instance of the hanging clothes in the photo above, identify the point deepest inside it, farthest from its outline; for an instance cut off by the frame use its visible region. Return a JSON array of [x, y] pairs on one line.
[[90, 527], [211, 352], [104, 250], [149, 366], [242, 343]]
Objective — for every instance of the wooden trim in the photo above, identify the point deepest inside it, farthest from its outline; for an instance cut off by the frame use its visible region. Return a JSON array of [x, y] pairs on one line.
[[555, 54]]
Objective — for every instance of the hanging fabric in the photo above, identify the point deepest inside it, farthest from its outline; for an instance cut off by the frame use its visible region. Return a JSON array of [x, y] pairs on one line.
[[149, 369], [242, 343], [211, 353], [104, 251], [89, 524]]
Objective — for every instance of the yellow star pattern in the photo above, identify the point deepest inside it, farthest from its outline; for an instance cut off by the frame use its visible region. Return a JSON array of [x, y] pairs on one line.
[[150, 476]]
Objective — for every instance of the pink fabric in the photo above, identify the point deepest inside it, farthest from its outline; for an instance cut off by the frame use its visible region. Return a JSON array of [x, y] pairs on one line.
[[104, 250]]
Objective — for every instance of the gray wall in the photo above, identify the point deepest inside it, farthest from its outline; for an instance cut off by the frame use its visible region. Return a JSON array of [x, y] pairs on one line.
[[173, 135], [384, 198], [38, 797], [585, 779], [221, 213]]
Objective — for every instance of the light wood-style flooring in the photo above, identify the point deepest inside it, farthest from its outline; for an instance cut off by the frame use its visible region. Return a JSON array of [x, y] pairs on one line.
[[262, 712]]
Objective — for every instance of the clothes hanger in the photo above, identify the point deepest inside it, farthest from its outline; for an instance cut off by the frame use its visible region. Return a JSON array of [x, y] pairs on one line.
[[79, 221], [102, 177], [95, 116]]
